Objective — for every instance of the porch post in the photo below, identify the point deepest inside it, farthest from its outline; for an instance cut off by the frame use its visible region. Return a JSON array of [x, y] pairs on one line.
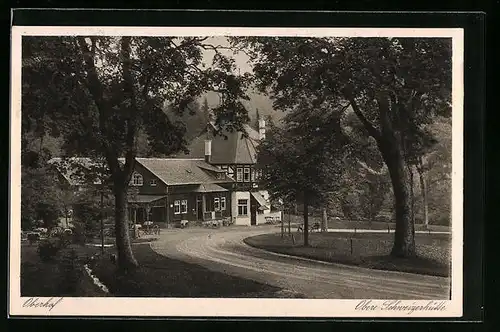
[[204, 205], [167, 212]]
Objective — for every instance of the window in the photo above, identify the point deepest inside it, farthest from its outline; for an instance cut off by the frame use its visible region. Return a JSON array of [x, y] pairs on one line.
[[220, 176], [246, 174], [184, 206], [243, 207], [152, 183], [217, 204], [252, 174], [223, 203], [239, 174], [177, 207], [137, 179]]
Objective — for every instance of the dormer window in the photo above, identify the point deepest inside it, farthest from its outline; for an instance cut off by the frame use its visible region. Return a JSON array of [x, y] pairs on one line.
[[137, 180]]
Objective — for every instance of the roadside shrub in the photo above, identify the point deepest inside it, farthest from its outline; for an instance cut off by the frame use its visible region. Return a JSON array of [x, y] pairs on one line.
[[78, 236], [48, 249], [33, 237]]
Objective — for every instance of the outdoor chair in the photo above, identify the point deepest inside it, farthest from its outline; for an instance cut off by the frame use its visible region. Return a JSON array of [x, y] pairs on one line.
[[315, 227]]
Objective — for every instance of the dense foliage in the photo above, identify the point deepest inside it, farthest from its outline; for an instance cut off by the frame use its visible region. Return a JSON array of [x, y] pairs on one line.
[[101, 93], [395, 87]]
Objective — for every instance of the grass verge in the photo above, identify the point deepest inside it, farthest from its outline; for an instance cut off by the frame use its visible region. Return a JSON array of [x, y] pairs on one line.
[[370, 250], [160, 276], [350, 224], [49, 279]]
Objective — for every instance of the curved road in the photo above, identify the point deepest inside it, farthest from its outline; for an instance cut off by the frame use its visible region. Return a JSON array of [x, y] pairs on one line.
[[224, 250]]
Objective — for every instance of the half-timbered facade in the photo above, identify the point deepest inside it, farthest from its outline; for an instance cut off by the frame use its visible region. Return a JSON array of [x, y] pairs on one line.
[[217, 180], [235, 154]]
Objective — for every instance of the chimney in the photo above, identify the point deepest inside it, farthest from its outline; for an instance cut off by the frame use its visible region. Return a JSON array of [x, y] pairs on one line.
[[208, 150], [262, 129]]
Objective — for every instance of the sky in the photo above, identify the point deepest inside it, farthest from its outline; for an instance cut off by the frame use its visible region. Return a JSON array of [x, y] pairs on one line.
[[257, 101], [241, 59]]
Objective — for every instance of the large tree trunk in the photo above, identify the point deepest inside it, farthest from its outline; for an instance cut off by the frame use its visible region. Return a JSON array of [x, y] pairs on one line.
[[404, 237], [126, 259], [306, 222], [391, 145], [423, 189]]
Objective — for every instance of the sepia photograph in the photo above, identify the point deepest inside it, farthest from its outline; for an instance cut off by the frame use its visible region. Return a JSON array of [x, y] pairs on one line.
[[236, 172]]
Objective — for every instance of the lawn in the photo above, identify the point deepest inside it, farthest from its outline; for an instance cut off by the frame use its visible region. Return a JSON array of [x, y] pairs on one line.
[[369, 250], [159, 276], [48, 279]]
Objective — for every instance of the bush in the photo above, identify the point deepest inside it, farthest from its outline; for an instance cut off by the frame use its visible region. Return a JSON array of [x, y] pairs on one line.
[[48, 249], [80, 234], [64, 239], [33, 237]]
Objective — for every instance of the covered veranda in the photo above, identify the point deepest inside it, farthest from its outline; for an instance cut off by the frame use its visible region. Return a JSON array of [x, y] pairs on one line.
[[206, 209], [147, 208]]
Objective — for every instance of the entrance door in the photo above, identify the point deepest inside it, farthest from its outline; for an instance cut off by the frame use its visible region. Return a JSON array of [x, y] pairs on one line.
[[253, 211], [199, 207]]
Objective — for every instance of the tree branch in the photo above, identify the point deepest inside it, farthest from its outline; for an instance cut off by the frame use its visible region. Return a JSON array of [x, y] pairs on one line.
[[96, 90], [366, 123], [382, 171]]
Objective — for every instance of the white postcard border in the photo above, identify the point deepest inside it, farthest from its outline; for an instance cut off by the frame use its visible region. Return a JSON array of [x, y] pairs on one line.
[[213, 307]]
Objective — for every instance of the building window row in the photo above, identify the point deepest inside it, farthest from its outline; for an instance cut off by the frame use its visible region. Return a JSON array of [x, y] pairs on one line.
[[180, 206], [219, 203], [138, 181], [243, 174]]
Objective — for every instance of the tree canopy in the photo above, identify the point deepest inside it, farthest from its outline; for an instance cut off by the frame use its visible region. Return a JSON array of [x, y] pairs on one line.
[[394, 86], [100, 92]]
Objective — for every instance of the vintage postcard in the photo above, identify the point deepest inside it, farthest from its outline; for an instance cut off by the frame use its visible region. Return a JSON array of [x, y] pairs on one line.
[[236, 172]]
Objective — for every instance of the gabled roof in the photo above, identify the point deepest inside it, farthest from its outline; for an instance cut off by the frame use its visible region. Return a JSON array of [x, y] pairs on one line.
[[144, 198], [173, 171], [261, 200], [168, 170], [235, 148], [71, 168], [209, 188]]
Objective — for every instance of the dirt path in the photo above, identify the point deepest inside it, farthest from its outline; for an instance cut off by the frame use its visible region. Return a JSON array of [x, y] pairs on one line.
[[224, 250]]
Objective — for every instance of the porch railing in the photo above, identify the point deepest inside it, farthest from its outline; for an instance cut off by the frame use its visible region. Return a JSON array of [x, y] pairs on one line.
[[211, 215]]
